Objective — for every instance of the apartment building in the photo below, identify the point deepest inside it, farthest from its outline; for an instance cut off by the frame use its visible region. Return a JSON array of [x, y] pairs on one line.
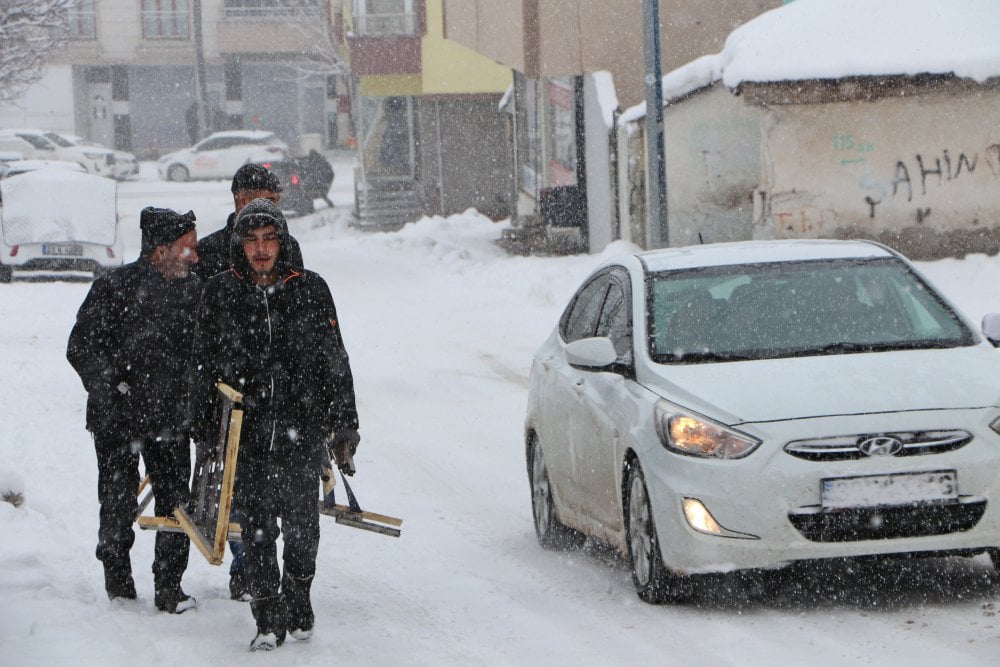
[[150, 75], [430, 138]]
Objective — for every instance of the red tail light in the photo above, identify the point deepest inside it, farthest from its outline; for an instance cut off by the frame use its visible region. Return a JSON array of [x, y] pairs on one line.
[[111, 253], [13, 250], [295, 179], [266, 165]]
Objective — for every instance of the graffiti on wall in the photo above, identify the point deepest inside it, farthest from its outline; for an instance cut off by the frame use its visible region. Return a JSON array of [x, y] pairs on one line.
[[913, 177]]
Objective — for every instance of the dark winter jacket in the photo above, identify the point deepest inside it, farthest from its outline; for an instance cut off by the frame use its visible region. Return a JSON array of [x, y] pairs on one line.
[[281, 347], [317, 172], [130, 346], [214, 251]]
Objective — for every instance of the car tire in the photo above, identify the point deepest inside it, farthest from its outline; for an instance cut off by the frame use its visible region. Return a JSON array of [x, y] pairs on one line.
[[178, 172], [653, 582], [551, 533], [6, 274]]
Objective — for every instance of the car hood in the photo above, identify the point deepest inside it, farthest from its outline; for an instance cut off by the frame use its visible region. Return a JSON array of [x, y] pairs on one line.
[[799, 387]]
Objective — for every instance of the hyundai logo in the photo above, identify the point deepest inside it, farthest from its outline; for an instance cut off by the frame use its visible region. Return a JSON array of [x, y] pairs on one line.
[[880, 445]]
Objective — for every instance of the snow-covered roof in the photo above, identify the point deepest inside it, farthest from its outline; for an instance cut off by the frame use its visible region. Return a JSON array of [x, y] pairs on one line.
[[835, 39]]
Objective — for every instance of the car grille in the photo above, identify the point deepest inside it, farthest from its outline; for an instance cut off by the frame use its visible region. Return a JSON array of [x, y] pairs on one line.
[[850, 447], [886, 523]]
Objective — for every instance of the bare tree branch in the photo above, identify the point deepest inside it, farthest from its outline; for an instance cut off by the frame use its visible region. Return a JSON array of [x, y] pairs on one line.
[[29, 31]]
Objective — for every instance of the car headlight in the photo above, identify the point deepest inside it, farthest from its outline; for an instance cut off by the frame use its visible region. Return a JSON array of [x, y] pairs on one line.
[[92, 156], [686, 433]]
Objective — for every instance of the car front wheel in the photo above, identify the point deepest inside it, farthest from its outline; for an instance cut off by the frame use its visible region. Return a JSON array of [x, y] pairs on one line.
[[653, 583], [551, 533], [178, 172]]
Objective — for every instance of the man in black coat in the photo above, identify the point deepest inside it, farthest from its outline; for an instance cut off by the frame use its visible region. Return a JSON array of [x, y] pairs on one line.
[[317, 172], [251, 181], [270, 330], [130, 345]]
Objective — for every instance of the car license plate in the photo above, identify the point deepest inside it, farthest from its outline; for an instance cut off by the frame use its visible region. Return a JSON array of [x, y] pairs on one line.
[[896, 489], [63, 249]]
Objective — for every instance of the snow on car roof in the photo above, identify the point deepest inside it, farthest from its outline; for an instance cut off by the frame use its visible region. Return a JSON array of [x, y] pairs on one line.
[[55, 204], [754, 252], [244, 134]]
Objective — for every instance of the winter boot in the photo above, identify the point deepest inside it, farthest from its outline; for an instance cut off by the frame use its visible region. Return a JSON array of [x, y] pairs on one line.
[[295, 592], [174, 601], [266, 641], [118, 582], [269, 612]]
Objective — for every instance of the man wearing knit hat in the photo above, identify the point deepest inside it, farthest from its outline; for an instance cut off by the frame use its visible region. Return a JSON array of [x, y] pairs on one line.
[[130, 346], [270, 330], [251, 181]]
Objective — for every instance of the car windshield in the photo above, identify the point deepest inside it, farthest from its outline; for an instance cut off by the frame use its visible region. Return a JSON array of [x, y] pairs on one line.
[[787, 309], [55, 138]]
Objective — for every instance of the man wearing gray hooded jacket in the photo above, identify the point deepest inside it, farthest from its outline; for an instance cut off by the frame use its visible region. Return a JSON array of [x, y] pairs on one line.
[[271, 331]]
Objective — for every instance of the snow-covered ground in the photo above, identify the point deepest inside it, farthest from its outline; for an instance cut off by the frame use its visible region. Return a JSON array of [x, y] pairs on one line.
[[441, 326]]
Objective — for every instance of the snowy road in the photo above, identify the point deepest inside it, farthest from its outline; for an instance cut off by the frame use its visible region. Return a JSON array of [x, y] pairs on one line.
[[441, 327]]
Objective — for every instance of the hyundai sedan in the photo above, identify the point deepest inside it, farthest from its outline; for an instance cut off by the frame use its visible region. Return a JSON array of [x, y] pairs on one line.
[[746, 405], [219, 155]]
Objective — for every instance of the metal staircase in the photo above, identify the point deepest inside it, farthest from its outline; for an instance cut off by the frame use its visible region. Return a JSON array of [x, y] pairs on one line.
[[385, 203]]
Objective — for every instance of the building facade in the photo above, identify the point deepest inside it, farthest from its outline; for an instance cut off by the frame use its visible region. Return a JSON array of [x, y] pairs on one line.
[[150, 76], [577, 63], [430, 138]]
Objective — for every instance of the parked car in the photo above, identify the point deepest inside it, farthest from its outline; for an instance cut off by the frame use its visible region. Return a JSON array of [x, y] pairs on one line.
[[294, 199], [220, 154], [745, 405], [57, 219], [123, 164], [35, 145], [15, 167]]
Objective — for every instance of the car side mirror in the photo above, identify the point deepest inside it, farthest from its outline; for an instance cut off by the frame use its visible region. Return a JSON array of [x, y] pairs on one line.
[[592, 354], [991, 328]]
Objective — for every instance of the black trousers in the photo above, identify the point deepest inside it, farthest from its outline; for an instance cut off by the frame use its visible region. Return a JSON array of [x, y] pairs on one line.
[[169, 466], [282, 484]]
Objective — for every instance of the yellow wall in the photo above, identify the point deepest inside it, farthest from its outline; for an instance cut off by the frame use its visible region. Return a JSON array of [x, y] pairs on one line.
[[389, 85], [450, 68]]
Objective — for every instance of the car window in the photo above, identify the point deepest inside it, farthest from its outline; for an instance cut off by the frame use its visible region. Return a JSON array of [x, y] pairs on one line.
[[615, 322], [37, 141], [213, 144], [795, 309], [580, 320]]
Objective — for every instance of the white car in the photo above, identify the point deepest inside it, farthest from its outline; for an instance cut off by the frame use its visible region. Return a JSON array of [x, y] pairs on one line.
[[123, 163], [219, 155], [746, 405], [57, 219], [35, 145]]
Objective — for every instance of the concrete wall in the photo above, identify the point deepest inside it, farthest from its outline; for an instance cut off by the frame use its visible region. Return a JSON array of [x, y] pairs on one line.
[[712, 149], [920, 173]]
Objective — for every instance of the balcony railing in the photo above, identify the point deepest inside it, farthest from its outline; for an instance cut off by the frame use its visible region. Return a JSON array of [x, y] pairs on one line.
[[269, 9]]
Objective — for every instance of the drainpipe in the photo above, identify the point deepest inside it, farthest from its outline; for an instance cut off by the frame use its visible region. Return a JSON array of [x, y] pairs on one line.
[[200, 75]]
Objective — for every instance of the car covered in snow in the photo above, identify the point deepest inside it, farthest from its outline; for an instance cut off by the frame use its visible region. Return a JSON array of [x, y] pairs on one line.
[[746, 405], [220, 154], [57, 219]]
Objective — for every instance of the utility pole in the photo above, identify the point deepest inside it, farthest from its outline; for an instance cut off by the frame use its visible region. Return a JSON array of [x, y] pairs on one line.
[[656, 165], [199, 54]]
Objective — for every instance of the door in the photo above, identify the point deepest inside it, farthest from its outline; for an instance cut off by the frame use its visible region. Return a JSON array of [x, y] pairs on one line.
[[601, 412]]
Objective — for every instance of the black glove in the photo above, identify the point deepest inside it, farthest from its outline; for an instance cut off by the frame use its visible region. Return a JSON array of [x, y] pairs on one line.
[[342, 446]]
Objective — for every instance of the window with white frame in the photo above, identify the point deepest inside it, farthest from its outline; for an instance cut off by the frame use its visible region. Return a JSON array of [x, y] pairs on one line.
[[81, 20], [384, 17], [272, 8], [165, 19]]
